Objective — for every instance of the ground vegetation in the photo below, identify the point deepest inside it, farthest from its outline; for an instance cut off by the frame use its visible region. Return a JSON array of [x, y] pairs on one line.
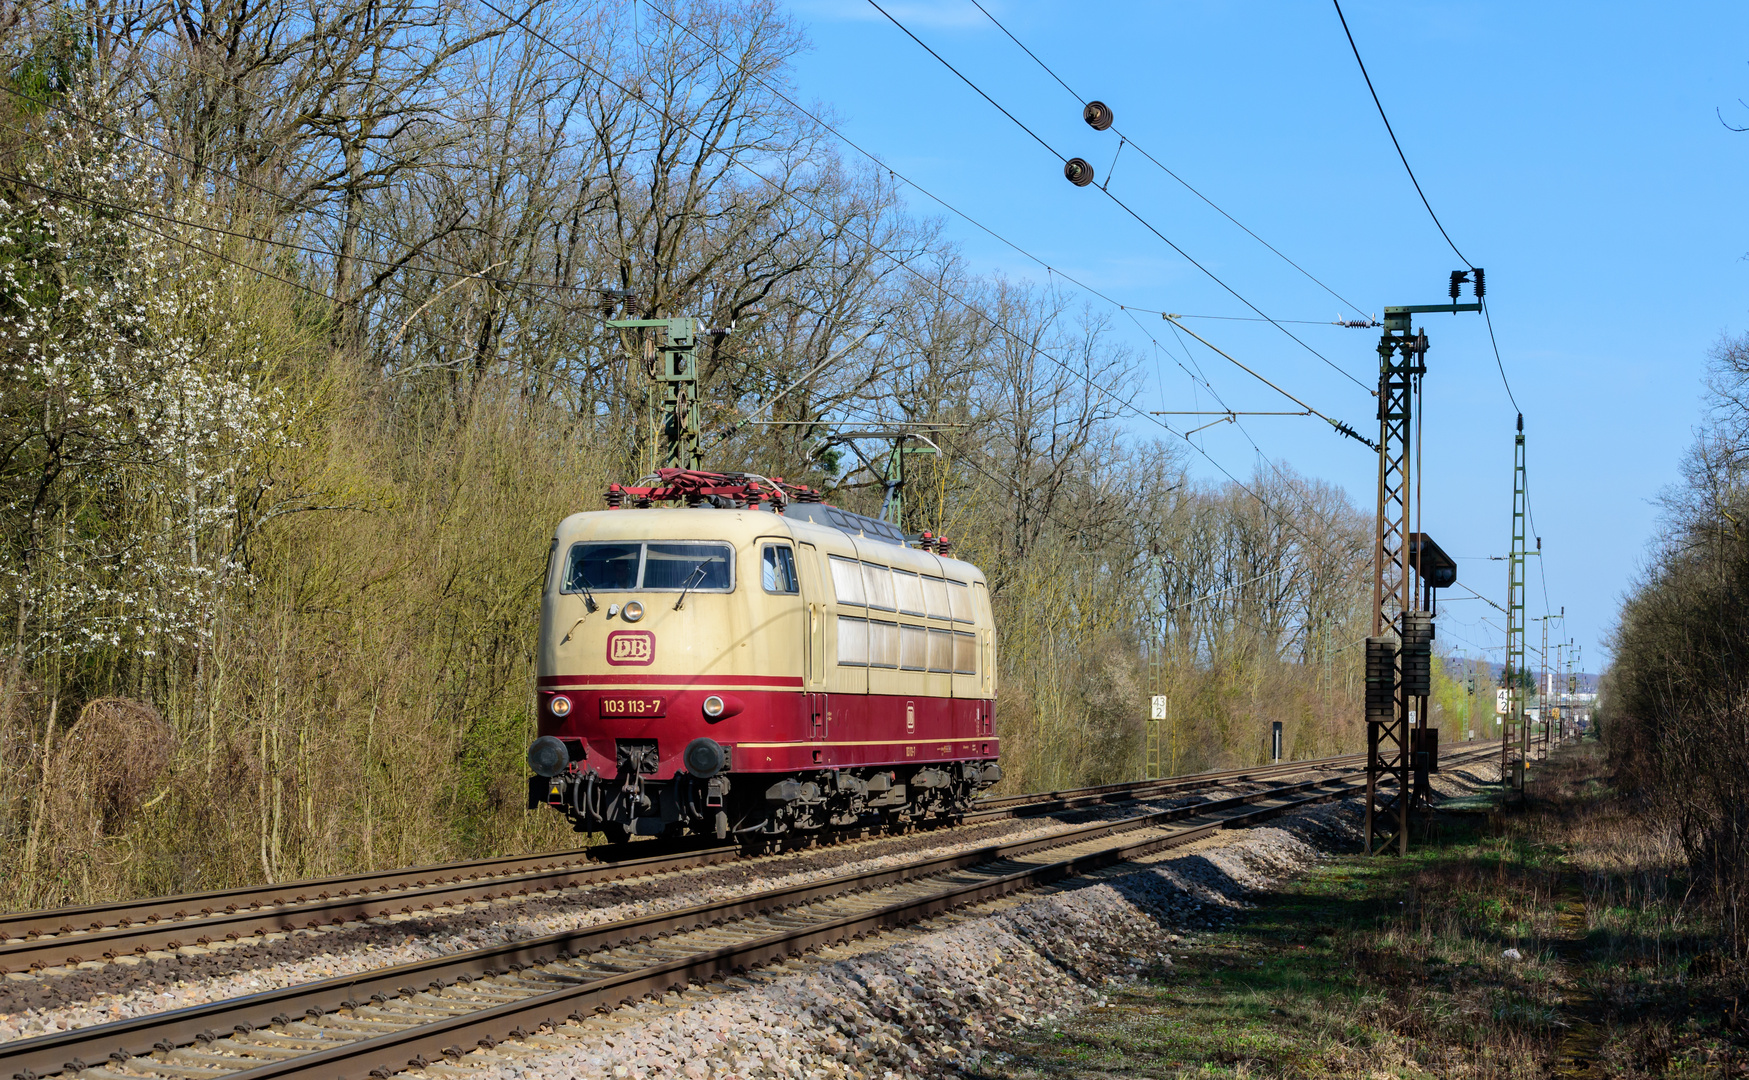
[[1556, 939], [1676, 697]]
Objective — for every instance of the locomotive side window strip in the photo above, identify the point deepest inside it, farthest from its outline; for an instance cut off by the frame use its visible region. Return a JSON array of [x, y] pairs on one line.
[[940, 650], [653, 566], [847, 581], [852, 641], [883, 588], [965, 653], [935, 598], [877, 583], [908, 592], [959, 600], [883, 644], [913, 648]]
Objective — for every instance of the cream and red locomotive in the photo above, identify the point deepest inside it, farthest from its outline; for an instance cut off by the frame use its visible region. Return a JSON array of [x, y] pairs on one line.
[[755, 663]]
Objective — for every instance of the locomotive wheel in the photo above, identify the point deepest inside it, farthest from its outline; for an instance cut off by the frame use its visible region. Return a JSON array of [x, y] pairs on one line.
[[615, 834]]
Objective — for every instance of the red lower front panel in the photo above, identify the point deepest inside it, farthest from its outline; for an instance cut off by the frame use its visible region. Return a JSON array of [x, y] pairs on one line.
[[767, 728]]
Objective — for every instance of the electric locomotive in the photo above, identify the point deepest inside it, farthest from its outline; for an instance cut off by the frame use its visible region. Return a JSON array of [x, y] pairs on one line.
[[757, 663]]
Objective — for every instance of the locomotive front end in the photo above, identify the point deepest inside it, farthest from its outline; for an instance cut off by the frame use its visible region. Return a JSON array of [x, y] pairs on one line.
[[667, 637], [758, 663]]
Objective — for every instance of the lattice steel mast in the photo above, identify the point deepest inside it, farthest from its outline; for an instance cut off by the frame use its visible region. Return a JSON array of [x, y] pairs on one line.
[[1511, 767], [1399, 651]]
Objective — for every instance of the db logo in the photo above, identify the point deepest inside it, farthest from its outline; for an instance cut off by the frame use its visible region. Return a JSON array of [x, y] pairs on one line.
[[627, 647]]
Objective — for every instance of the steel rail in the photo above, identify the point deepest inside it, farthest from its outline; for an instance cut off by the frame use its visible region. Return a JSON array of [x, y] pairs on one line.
[[172, 923], [1053, 801], [168, 1032], [414, 1047], [40, 939], [209, 927]]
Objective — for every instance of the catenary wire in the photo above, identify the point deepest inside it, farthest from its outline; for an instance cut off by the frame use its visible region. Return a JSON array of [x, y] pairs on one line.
[[1351, 305], [1127, 309], [1388, 130], [1163, 168], [1017, 122], [1049, 269], [777, 91], [1499, 363], [1211, 275], [1489, 319]]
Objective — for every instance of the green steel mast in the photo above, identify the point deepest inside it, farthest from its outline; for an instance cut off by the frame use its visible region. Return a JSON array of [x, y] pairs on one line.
[[1511, 766]]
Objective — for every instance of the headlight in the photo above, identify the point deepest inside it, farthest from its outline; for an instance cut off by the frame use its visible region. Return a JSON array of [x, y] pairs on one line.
[[560, 705], [713, 706], [632, 612], [547, 756]]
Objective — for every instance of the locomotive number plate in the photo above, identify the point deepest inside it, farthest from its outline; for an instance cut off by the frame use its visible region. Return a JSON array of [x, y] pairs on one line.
[[634, 706]]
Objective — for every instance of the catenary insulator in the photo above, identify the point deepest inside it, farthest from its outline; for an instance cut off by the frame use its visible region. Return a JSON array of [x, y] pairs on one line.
[[1078, 172], [1457, 281], [1097, 114], [1476, 276]]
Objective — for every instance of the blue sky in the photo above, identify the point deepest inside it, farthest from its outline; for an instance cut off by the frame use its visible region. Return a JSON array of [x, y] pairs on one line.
[[1571, 150]]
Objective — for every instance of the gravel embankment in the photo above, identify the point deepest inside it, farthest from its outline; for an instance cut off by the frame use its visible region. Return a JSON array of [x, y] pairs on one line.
[[37, 1004], [931, 1001]]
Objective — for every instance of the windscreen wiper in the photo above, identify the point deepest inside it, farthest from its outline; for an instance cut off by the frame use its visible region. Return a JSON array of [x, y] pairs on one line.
[[696, 574]]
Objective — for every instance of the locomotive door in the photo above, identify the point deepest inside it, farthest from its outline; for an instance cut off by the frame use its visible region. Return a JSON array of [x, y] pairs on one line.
[[814, 638], [814, 630]]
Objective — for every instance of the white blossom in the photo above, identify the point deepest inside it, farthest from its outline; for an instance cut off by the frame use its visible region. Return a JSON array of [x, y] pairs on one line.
[[131, 343]]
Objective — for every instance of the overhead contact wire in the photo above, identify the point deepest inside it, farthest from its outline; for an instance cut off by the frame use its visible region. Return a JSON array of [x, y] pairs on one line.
[[1124, 206], [1392, 133], [1406, 168], [1212, 277], [1163, 168], [968, 82], [1127, 309], [777, 91]]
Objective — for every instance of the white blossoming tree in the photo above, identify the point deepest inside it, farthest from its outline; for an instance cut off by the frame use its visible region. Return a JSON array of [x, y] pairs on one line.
[[138, 429]]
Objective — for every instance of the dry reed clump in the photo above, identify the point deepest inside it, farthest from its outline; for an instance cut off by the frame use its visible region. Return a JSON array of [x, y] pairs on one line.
[[113, 757]]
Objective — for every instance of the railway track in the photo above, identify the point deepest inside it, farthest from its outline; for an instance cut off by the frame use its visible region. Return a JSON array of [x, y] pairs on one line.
[[427, 1013], [70, 936]]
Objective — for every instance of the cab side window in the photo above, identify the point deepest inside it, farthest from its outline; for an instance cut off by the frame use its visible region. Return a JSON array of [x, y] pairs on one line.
[[777, 569]]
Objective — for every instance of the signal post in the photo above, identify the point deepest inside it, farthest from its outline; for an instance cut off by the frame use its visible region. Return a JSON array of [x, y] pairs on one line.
[[1407, 568]]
